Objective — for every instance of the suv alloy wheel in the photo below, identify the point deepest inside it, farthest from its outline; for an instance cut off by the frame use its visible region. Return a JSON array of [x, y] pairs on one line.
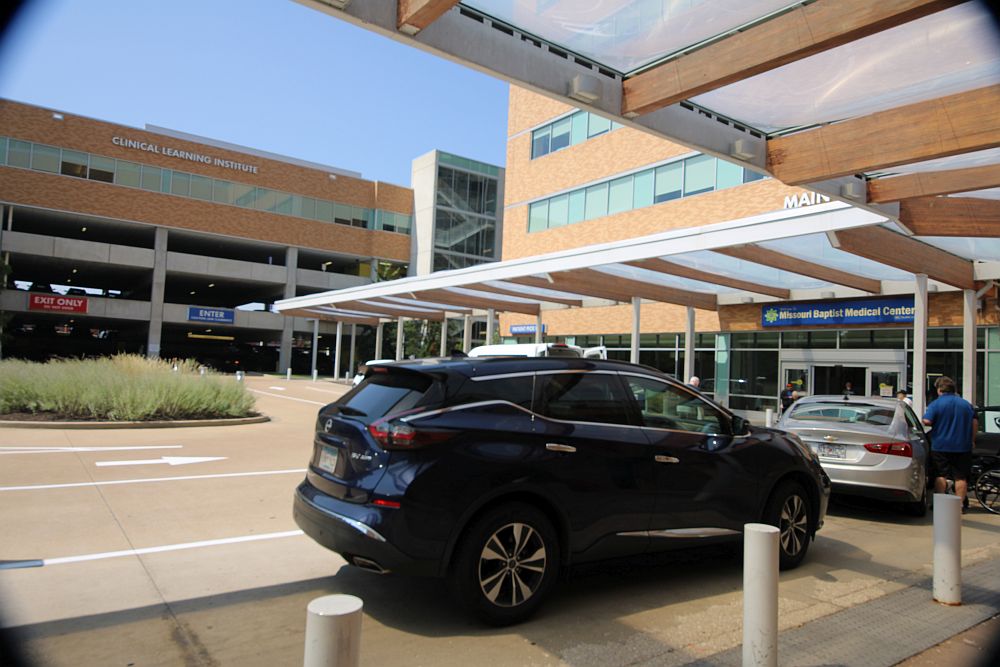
[[505, 564]]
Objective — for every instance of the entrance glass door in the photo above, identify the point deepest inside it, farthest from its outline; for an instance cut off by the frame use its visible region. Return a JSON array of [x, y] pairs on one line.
[[840, 379], [884, 383]]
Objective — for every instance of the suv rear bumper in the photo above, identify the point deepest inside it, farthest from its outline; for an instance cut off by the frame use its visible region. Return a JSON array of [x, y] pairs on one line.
[[352, 531]]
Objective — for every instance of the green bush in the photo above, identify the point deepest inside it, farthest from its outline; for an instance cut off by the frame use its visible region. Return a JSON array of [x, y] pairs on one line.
[[120, 388]]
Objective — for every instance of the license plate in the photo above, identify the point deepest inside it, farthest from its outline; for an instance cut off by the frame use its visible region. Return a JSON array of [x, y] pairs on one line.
[[832, 451], [327, 459]]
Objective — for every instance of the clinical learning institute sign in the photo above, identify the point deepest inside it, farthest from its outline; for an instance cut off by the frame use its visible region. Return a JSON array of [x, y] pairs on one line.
[[897, 310]]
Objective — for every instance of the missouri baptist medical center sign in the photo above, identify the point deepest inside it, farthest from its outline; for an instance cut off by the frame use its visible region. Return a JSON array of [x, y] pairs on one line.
[[897, 310]]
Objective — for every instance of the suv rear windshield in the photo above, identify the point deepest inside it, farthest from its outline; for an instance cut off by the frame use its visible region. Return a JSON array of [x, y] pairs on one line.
[[385, 393]]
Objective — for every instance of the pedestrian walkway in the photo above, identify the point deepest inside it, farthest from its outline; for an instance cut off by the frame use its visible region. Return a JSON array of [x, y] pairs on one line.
[[886, 630]]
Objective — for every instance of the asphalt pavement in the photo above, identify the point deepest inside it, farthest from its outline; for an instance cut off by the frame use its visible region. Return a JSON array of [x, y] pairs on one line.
[[112, 555]]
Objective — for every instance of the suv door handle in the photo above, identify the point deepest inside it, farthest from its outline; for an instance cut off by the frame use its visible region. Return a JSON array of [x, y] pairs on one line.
[[660, 458], [556, 447]]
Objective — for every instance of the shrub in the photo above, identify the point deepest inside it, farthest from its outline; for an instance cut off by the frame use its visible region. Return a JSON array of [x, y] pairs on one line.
[[120, 388]]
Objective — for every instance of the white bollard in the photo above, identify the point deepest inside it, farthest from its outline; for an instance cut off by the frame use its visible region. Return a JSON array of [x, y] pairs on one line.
[[333, 632], [760, 595], [315, 374], [288, 374], [769, 417], [947, 549]]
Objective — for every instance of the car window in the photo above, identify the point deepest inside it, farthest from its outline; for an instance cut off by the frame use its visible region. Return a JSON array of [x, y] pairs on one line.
[[664, 405], [584, 397], [385, 393], [517, 390], [847, 414]]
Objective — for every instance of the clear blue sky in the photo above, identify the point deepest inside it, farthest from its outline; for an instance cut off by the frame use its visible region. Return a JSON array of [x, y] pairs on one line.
[[268, 74]]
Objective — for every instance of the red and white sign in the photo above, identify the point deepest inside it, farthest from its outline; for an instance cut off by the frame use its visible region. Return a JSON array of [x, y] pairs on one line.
[[58, 302]]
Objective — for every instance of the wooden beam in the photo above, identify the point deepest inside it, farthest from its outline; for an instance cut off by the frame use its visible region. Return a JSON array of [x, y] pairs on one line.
[[903, 252], [777, 260], [412, 16], [566, 301], [398, 310], [800, 33], [933, 183], [674, 269], [936, 128], [601, 285], [951, 216], [446, 297]]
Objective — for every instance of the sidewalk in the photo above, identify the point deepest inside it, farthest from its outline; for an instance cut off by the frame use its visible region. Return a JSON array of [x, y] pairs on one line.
[[889, 629]]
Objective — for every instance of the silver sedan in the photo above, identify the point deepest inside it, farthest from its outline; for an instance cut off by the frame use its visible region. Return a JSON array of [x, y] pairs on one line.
[[869, 446]]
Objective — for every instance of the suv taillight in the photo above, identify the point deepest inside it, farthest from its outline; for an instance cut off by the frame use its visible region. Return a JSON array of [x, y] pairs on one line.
[[392, 433], [891, 448]]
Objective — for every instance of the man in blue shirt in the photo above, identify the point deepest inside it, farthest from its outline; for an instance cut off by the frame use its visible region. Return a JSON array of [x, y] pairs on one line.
[[954, 425]]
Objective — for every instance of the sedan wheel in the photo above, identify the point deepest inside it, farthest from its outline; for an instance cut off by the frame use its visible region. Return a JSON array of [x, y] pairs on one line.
[[788, 510], [505, 564]]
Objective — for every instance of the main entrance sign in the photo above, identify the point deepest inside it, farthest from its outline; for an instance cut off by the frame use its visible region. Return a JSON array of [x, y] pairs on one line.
[[897, 310]]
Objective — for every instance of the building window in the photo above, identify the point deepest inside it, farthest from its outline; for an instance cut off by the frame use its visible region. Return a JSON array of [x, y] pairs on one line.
[[568, 131], [19, 154], [74, 163], [127, 173], [45, 158], [101, 169], [676, 179]]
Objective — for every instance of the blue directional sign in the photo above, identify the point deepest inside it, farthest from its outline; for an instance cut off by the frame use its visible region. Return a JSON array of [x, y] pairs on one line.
[[213, 315]]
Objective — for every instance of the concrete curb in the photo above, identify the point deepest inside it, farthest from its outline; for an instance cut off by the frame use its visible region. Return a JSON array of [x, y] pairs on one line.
[[179, 423]]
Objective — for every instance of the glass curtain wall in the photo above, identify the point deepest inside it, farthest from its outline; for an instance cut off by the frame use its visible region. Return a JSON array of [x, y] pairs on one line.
[[465, 226], [754, 357]]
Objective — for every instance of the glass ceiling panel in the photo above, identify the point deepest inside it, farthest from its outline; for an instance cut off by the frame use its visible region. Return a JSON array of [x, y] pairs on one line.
[[949, 52], [663, 279], [743, 270], [992, 193], [981, 249], [816, 248], [627, 34], [963, 161]]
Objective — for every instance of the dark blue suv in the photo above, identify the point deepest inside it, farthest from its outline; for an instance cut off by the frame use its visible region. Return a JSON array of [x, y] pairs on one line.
[[496, 473]]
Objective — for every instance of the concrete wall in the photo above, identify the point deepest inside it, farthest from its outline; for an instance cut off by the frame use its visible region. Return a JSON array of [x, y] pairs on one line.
[[83, 251]]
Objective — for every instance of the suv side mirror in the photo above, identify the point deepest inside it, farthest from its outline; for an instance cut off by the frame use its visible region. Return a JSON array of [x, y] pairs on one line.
[[741, 426]]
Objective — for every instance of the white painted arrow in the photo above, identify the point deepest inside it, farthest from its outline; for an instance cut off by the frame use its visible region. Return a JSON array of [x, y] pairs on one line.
[[170, 460]]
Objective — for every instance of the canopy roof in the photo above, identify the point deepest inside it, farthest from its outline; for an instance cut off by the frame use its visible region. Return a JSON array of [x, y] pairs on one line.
[[893, 107]]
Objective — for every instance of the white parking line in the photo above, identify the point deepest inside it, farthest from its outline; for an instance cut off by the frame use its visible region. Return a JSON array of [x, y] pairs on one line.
[[32, 449], [170, 547], [36, 487], [287, 398], [278, 388], [324, 391]]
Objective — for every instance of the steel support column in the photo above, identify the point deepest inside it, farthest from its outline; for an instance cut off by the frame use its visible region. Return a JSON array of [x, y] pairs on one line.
[[399, 339], [969, 357], [636, 307], [919, 379], [315, 344], [689, 345], [336, 353]]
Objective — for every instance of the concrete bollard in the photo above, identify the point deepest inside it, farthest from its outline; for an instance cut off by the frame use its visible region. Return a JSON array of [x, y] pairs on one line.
[[239, 376], [288, 374], [333, 632], [760, 595], [947, 549], [769, 417]]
